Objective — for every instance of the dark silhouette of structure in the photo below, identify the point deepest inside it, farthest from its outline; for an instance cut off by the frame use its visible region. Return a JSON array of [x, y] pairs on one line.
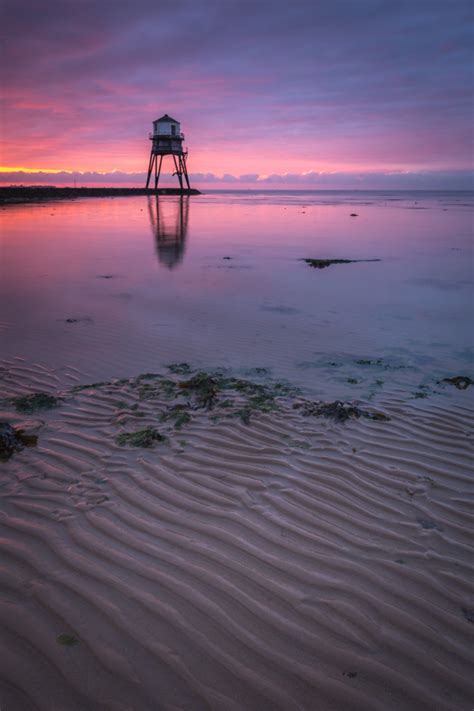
[[167, 140], [169, 223]]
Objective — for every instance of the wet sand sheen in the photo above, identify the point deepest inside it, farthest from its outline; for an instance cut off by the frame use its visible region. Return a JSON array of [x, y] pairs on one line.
[[290, 563]]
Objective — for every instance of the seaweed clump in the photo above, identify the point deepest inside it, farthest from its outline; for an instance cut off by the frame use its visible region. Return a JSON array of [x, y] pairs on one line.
[[323, 263], [204, 387], [140, 438], [461, 382], [35, 401], [205, 391], [180, 368], [67, 640], [338, 411], [179, 414]]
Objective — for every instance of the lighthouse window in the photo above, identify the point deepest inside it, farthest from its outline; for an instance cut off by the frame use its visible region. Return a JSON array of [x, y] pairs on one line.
[[173, 130]]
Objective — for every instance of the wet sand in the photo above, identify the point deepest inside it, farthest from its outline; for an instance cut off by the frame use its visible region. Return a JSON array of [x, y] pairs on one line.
[[260, 555], [292, 562]]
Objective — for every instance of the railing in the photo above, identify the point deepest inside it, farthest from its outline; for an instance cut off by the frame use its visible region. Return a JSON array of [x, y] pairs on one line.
[[151, 136]]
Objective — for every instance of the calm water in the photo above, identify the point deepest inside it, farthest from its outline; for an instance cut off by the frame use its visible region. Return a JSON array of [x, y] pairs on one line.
[[99, 288]]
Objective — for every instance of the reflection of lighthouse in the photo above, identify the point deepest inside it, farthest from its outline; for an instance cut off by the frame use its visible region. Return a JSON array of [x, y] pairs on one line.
[[169, 222]]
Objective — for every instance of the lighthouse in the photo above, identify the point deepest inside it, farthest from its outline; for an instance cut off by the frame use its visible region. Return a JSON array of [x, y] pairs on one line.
[[167, 140]]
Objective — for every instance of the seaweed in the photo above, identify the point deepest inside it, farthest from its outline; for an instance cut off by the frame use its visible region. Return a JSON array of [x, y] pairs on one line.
[[122, 405], [179, 414], [89, 386], [367, 361], [323, 263], [244, 414], [468, 613], [35, 401], [168, 387], [428, 525], [461, 382], [338, 411], [140, 438], [179, 368], [67, 640], [149, 376], [205, 388], [147, 391]]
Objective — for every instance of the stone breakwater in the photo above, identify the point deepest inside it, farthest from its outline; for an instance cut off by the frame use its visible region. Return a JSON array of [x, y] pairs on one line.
[[17, 194]]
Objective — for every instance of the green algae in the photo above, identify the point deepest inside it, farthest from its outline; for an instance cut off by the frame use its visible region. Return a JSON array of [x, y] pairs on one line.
[[35, 402], [179, 414], [338, 411], [179, 368], [140, 438], [90, 386], [68, 640]]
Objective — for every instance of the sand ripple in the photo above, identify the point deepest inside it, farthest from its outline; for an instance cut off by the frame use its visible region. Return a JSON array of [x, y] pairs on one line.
[[293, 563]]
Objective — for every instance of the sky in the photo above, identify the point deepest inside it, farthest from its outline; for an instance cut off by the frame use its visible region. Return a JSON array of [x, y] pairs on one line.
[[269, 93]]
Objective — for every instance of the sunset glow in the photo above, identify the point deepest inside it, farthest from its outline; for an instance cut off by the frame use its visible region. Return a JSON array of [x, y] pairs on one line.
[[261, 89]]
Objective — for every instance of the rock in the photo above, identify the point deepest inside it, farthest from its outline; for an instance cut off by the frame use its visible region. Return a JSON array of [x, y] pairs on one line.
[[13, 439], [9, 441]]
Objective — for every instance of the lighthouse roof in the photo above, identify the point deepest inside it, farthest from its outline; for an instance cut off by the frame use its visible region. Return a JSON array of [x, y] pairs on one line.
[[166, 119]]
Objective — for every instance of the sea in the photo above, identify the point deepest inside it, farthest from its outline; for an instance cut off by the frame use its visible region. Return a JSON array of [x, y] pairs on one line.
[[95, 288]]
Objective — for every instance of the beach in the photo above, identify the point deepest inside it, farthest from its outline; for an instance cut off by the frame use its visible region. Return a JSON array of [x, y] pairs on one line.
[[252, 481]]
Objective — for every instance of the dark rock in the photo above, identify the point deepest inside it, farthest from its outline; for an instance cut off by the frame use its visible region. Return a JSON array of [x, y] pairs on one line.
[[13, 439], [9, 441]]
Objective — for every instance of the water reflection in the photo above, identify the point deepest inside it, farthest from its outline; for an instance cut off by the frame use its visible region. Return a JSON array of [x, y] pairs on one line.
[[169, 222]]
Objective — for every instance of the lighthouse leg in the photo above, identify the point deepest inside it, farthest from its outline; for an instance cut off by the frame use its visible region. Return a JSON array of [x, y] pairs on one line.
[[178, 171], [150, 168], [157, 174], [185, 171]]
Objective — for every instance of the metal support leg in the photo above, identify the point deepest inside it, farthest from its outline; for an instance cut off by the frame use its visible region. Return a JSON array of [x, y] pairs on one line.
[[178, 172], [150, 168], [157, 173], [185, 171]]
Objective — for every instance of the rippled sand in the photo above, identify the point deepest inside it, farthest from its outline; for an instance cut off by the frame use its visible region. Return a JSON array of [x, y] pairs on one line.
[[290, 563]]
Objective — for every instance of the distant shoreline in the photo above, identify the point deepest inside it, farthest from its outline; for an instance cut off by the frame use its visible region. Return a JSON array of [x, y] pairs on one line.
[[20, 194]]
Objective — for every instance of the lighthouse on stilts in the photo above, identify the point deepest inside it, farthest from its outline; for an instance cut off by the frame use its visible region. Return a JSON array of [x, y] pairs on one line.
[[167, 140]]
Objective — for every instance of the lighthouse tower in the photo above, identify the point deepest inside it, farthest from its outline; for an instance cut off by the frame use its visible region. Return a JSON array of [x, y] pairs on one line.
[[167, 140]]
